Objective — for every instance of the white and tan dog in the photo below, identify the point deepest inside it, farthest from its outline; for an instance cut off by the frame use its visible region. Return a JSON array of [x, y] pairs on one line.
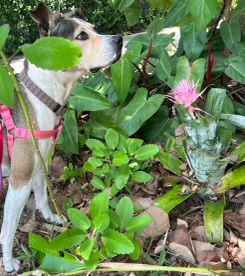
[[23, 169]]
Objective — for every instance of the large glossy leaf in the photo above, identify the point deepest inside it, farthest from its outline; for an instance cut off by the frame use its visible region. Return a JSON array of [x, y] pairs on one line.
[[236, 68], [124, 4], [215, 101], [237, 120], [70, 133], [138, 110], [176, 14], [172, 198], [193, 40], [87, 99], [53, 53], [122, 73], [133, 13], [213, 219], [6, 87], [164, 67], [231, 180], [202, 11], [4, 31], [231, 32]]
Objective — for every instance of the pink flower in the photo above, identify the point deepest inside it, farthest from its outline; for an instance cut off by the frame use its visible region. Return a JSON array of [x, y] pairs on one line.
[[186, 93]]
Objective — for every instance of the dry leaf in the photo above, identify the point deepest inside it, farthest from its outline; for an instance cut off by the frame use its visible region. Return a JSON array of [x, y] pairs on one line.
[[236, 221], [180, 235], [30, 225], [143, 202], [160, 222], [57, 166], [183, 251], [199, 233]]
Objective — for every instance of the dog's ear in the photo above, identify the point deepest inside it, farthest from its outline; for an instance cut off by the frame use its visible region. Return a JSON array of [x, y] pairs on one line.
[[44, 17], [76, 13]]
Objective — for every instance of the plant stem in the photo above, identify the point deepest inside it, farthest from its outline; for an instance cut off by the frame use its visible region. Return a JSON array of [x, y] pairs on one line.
[[30, 127]]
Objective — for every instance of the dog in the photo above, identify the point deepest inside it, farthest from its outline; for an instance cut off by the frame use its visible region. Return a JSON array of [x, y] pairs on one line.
[[23, 169]]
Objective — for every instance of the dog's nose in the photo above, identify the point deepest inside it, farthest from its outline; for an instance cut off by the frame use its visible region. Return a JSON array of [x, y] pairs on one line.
[[118, 39]]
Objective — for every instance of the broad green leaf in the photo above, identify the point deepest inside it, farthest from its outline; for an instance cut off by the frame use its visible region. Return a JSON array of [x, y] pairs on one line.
[[99, 204], [114, 219], [236, 68], [120, 158], [141, 177], [133, 145], [122, 176], [86, 99], [230, 32], [68, 239], [59, 264], [4, 32], [78, 218], [202, 11], [49, 52], [161, 4], [137, 250], [172, 198], [240, 152], [237, 120], [117, 242], [97, 183], [215, 101], [164, 67], [125, 211], [213, 219], [170, 162], [124, 4], [133, 13], [193, 40], [97, 147], [38, 243], [70, 133], [93, 261], [111, 138], [176, 14], [146, 152], [6, 87], [231, 180], [122, 73], [86, 248], [101, 222], [139, 223], [138, 110]]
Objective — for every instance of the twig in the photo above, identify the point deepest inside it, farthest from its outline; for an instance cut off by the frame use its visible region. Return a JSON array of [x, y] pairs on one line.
[[30, 127]]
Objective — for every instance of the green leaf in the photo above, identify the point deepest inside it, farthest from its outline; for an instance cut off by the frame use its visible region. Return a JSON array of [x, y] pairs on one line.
[[138, 223], [240, 152], [164, 67], [137, 250], [236, 68], [213, 219], [124, 4], [68, 239], [193, 40], [93, 261], [6, 87], [84, 98], [215, 101], [86, 248], [146, 152], [4, 32], [237, 120], [38, 243], [117, 242], [49, 52], [101, 222], [176, 14], [232, 180], [120, 158], [122, 176], [170, 162], [172, 198], [70, 132], [122, 73], [202, 11], [141, 177], [97, 147], [111, 138], [97, 183], [125, 211], [230, 32], [99, 204], [59, 264], [78, 218], [133, 145], [133, 13], [138, 110]]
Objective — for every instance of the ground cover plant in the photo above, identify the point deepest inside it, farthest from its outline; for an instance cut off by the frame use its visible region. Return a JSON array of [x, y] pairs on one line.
[[160, 129]]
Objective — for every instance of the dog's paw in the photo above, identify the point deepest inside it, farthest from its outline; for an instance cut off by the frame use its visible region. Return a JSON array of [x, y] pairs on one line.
[[55, 219], [11, 266]]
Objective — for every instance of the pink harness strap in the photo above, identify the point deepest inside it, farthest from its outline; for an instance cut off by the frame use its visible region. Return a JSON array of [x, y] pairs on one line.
[[13, 132]]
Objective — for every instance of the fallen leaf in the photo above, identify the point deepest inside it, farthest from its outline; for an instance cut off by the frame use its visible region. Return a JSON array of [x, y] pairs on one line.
[[199, 233], [183, 251], [30, 225], [160, 222], [143, 202], [236, 221], [57, 166]]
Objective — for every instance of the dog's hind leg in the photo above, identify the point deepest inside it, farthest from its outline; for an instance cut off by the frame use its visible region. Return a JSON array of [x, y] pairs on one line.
[[41, 197], [15, 201]]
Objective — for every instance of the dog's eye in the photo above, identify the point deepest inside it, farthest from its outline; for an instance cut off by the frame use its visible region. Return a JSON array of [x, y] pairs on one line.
[[82, 36]]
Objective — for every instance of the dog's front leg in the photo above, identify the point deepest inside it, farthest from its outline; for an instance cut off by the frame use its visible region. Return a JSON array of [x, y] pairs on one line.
[[15, 201]]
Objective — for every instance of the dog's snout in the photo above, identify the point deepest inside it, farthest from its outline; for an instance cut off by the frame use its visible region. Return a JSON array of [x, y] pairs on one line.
[[118, 39]]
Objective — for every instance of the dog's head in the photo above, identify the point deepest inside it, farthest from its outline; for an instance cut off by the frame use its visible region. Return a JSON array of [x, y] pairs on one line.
[[98, 50]]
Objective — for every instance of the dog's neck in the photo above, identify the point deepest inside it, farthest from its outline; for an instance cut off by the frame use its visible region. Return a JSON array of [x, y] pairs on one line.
[[57, 84]]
